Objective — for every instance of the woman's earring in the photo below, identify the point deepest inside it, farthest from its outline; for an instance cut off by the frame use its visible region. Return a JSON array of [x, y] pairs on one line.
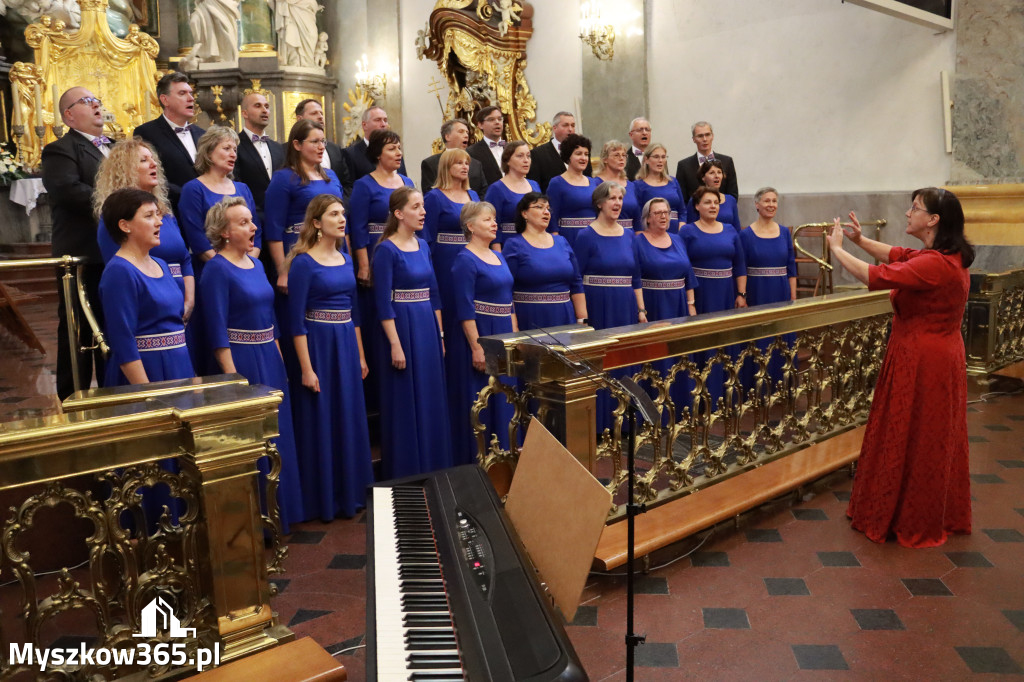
[[318, 234]]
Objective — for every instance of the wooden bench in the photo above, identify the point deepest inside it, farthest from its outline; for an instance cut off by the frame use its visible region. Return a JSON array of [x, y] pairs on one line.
[[676, 520], [301, 660]]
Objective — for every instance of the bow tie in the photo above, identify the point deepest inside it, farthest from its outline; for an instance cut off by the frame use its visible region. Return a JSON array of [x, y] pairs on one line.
[[179, 131], [493, 144], [709, 157], [260, 138], [101, 141]]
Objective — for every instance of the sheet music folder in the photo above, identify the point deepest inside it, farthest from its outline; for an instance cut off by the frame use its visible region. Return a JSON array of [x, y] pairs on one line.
[[559, 510]]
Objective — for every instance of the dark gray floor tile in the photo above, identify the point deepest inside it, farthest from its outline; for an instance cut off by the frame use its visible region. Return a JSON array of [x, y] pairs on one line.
[[1011, 463], [651, 584], [586, 616], [877, 619], [281, 583], [726, 619], [987, 478], [347, 644], [988, 659], [926, 587], [303, 615], [306, 537], [1004, 534], [977, 439], [842, 495], [810, 515], [1015, 617], [763, 535], [969, 560], [709, 559], [997, 427], [657, 655], [838, 559], [348, 561], [819, 657], [786, 587]]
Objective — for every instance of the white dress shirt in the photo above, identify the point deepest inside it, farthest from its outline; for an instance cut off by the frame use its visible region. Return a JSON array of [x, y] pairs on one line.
[[104, 149], [263, 148], [185, 136]]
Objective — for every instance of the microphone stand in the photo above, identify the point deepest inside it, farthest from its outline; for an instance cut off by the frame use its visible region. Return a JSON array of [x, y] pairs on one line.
[[637, 401]]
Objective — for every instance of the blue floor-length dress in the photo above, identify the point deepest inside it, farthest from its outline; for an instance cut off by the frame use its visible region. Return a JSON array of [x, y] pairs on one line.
[[331, 436], [572, 207], [505, 202], [728, 212], [482, 293], [442, 230], [415, 429], [717, 260], [238, 310], [611, 275], [666, 274], [171, 250], [629, 217], [367, 214], [671, 192], [544, 281], [770, 263]]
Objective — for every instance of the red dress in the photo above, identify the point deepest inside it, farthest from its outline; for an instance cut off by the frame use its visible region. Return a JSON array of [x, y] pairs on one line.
[[912, 478]]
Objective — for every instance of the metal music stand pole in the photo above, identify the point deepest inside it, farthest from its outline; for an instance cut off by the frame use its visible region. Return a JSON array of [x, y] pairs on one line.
[[632, 639]]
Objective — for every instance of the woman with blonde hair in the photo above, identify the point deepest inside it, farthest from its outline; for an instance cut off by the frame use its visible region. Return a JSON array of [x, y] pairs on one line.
[[133, 163], [333, 440], [483, 306], [613, 169], [506, 193], [216, 153], [415, 432], [242, 332], [654, 181], [443, 226]]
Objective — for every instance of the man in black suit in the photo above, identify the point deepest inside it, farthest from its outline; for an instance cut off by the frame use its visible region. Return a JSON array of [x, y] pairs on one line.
[[69, 168], [686, 170], [173, 137], [374, 118], [546, 162], [455, 134], [640, 135], [258, 155], [334, 158], [487, 151]]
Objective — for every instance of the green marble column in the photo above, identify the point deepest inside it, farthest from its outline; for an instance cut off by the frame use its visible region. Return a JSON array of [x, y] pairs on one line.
[[256, 30], [185, 39]]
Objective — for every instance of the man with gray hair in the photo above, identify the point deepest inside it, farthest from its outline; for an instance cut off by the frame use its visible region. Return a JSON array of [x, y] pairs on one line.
[[455, 134], [686, 169], [374, 118], [640, 135], [546, 162]]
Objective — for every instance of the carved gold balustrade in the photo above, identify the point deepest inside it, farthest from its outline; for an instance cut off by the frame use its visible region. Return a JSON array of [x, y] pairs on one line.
[[827, 349], [100, 465], [994, 321]]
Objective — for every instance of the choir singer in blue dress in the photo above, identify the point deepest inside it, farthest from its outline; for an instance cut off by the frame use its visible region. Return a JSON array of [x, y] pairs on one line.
[[415, 430], [653, 181], [242, 331], [483, 306], [571, 192], [548, 284], [712, 174], [332, 436], [506, 193]]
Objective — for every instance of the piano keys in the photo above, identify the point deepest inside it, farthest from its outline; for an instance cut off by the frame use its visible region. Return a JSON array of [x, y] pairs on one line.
[[450, 593]]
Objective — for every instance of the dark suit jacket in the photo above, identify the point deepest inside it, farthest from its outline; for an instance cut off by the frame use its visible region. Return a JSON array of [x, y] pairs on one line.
[[632, 164], [428, 174], [358, 163], [482, 153], [545, 163], [249, 167], [178, 165], [69, 175], [340, 168], [686, 174]]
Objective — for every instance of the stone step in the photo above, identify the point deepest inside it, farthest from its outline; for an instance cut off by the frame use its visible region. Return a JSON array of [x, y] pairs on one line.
[[26, 249]]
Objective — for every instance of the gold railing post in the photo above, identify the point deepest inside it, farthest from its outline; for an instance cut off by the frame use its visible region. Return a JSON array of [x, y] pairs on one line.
[[68, 284], [567, 408]]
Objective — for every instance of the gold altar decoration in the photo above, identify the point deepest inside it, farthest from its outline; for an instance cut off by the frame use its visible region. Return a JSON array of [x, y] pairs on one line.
[[204, 554], [289, 99], [359, 100], [994, 321], [120, 71], [993, 214], [827, 350], [480, 48]]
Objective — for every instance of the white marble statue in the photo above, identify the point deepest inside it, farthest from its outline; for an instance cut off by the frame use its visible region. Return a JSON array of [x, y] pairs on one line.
[[297, 35], [120, 13], [214, 26], [321, 51]]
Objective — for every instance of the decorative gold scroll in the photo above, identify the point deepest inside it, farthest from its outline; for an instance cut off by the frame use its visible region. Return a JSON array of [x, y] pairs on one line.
[[481, 51], [120, 71]]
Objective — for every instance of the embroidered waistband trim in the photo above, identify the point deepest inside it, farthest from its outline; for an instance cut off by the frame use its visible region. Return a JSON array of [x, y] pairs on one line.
[[709, 273], [251, 336], [540, 296], [663, 283], [608, 280], [331, 316], [410, 295], [149, 342]]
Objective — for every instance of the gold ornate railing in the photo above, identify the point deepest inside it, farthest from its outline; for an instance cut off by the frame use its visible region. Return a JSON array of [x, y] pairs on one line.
[[828, 349], [81, 480], [994, 321]]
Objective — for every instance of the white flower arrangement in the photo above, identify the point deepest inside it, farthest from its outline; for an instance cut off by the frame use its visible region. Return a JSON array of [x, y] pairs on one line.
[[10, 169]]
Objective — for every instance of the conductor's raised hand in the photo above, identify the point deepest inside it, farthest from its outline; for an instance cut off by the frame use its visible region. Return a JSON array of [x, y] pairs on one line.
[[853, 229]]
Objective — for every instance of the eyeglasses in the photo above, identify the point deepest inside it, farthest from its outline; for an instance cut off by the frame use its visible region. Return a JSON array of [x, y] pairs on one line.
[[915, 207], [660, 214], [317, 143], [542, 207], [88, 101], [640, 130]]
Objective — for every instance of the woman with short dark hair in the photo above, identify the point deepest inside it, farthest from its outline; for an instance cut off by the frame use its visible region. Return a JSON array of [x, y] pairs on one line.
[[571, 193], [913, 478], [143, 304], [712, 175], [506, 193]]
